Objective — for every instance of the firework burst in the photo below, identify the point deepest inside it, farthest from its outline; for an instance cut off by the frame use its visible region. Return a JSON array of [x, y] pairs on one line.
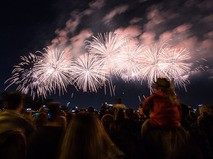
[[88, 73], [25, 76], [128, 62], [108, 54], [176, 65], [161, 60], [54, 69], [107, 47], [151, 66]]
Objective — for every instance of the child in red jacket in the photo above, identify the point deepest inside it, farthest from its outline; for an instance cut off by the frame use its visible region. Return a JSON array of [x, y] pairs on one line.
[[162, 107]]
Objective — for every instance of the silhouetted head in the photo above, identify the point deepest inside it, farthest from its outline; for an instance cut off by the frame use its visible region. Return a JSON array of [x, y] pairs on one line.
[[54, 109], [118, 100], [13, 100], [86, 138], [161, 83]]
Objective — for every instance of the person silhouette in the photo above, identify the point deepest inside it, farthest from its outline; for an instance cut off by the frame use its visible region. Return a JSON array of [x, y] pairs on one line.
[[86, 138], [162, 133], [11, 117]]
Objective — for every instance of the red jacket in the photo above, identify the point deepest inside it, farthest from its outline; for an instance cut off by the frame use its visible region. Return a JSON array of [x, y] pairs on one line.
[[162, 112]]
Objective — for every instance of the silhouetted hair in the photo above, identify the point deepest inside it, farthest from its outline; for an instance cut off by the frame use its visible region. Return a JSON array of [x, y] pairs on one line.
[[13, 145], [90, 109], [86, 138], [165, 86], [162, 83]]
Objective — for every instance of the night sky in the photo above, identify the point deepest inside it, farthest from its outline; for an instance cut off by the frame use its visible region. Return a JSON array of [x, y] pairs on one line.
[[30, 26]]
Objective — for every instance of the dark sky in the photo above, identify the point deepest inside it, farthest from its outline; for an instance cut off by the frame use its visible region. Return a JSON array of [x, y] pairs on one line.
[[29, 26]]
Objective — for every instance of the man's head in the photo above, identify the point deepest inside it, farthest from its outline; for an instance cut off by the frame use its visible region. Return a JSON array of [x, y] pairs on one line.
[[53, 109], [118, 101], [13, 100]]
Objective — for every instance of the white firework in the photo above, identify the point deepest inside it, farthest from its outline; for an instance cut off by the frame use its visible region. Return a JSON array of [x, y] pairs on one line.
[[88, 73], [151, 66], [107, 47], [25, 76], [160, 60], [54, 69], [128, 62], [177, 66]]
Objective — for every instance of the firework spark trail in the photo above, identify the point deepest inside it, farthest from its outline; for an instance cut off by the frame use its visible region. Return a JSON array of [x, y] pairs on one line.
[[88, 73], [25, 76], [54, 69], [107, 47], [111, 87]]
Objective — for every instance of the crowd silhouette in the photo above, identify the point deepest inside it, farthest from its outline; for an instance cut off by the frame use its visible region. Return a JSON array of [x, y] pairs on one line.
[[162, 128]]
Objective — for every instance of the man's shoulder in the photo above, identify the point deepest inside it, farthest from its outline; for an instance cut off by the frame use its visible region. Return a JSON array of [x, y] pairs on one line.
[[9, 114], [12, 116]]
